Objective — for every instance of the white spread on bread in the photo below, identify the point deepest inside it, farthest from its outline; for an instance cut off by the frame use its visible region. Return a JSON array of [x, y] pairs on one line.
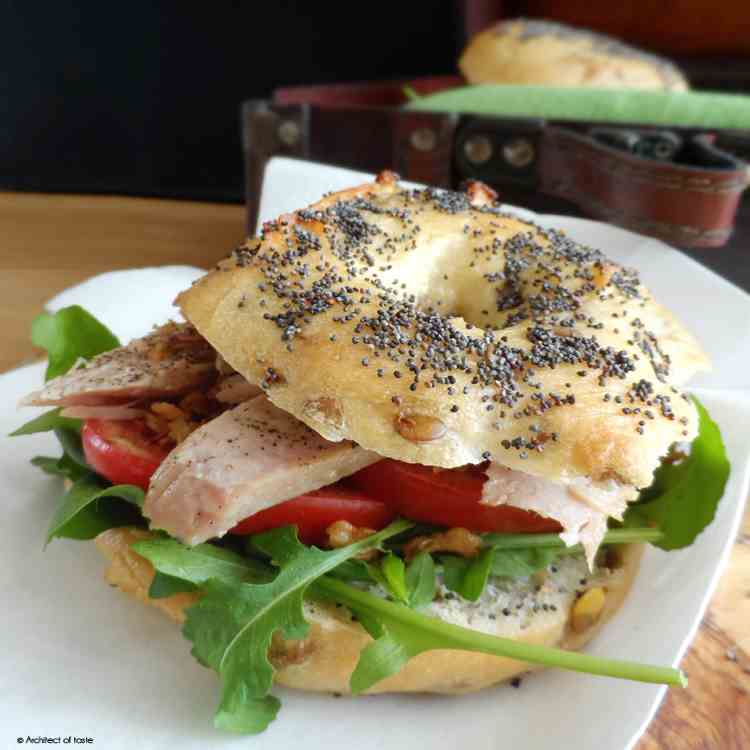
[[248, 459]]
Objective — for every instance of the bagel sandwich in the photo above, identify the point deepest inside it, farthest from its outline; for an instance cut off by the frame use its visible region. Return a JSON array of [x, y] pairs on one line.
[[404, 441]]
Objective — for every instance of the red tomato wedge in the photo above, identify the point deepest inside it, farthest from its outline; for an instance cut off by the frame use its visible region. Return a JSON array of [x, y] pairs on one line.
[[121, 451], [445, 497], [314, 512]]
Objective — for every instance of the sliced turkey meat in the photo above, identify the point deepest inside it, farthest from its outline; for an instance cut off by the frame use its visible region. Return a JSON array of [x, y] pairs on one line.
[[248, 459], [234, 389], [580, 506], [170, 361]]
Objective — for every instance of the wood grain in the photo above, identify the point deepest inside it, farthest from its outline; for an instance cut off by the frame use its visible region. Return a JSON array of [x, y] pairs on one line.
[[50, 242]]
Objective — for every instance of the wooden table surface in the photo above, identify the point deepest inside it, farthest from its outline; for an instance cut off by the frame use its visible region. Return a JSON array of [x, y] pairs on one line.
[[49, 242]]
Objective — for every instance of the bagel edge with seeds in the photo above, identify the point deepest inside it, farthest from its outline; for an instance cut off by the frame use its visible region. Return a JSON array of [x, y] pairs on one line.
[[434, 328]]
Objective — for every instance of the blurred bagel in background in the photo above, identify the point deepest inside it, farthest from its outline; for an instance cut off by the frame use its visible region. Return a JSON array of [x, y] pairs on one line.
[[545, 53]]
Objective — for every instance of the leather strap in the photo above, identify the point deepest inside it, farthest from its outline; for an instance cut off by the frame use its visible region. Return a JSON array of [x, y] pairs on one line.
[[687, 205], [689, 199]]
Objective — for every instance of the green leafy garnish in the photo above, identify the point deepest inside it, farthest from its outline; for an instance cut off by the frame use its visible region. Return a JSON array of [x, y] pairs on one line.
[[516, 563], [354, 570], [72, 464], [467, 576], [553, 541], [90, 507], [198, 564], [163, 586], [401, 633], [60, 467], [421, 580], [394, 575], [70, 440], [232, 625], [521, 555], [683, 499], [69, 335], [47, 422]]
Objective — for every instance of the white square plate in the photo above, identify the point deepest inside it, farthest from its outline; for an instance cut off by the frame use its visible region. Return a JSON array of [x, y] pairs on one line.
[[81, 659]]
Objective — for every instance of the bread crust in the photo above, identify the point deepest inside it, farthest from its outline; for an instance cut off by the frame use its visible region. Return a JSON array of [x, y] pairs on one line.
[[543, 53], [309, 312], [324, 661]]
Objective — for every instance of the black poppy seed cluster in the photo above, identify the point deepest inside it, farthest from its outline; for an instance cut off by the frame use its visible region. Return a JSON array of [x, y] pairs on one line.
[[339, 260]]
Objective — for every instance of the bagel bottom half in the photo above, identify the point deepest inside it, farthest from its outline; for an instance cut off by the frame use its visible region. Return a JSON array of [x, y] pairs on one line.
[[325, 659]]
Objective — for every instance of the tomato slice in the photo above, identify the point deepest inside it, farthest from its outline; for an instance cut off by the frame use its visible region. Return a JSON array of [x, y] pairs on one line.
[[446, 497], [122, 451], [314, 512]]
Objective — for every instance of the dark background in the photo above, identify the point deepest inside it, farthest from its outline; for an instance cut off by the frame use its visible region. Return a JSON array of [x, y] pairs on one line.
[[143, 97]]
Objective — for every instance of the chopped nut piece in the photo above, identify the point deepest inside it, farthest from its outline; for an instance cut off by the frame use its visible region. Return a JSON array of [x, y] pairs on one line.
[[587, 610], [159, 425], [343, 533], [165, 409], [459, 540], [602, 274], [420, 428], [180, 428], [282, 653], [196, 403]]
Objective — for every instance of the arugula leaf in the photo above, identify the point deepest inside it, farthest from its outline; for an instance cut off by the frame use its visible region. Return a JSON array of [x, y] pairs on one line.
[[475, 576], [684, 496], [68, 335], [453, 571], [60, 467], [50, 420], [521, 555], [394, 573], [421, 580], [539, 541], [467, 577], [401, 633], [90, 507], [48, 465], [72, 447], [198, 564], [232, 625], [72, 464], [353, 570], [517, 563], [163, 586], [392, 647]]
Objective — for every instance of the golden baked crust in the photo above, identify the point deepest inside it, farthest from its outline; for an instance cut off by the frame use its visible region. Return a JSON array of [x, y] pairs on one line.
[[555, 362], [543, 53], [325, 660]]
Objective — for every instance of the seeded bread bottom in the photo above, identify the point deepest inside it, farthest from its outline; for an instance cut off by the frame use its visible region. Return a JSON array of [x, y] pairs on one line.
[[324, 661]]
